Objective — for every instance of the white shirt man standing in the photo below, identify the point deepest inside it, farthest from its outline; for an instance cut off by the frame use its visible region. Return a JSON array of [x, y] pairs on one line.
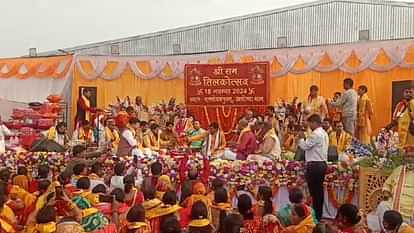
[[4, 131], [316, 156]]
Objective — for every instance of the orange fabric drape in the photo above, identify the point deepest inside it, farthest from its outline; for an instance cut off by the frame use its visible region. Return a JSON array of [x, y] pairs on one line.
[[379, 88], [286, 87], [40, 67]]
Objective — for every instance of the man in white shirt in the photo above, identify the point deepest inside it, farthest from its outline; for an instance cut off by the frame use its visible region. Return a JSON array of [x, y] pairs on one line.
[[348, 102], [4, 131], [316, 155]]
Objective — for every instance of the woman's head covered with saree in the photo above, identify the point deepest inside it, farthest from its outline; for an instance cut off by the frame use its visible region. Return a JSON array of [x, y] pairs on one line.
[[299, 213], [348, 216]]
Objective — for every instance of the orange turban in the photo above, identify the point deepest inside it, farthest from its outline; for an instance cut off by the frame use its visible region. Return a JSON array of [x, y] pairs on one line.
[[122, 120]]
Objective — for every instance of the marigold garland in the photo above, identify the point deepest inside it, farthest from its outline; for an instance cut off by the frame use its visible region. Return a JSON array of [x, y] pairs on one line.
[[226, 115], [349, 196], [233, 122], [206, 113]]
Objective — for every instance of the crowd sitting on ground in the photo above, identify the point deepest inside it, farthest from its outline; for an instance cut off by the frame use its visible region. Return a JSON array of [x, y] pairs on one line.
[[86, 200]]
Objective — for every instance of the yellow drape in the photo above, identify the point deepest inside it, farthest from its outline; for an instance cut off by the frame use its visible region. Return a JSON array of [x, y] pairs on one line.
[[155, 90], [379, 88], [152, 91]]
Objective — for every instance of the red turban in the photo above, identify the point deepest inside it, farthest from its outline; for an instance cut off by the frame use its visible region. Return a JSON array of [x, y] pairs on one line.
[[122, 120]]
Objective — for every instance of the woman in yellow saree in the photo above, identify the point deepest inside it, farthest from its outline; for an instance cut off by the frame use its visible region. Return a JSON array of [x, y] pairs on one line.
[[404, 114], [135, 221], [301, 219]]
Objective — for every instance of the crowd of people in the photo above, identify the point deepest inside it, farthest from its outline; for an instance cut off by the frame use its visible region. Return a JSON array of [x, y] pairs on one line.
[[131, 126], [87, 198]]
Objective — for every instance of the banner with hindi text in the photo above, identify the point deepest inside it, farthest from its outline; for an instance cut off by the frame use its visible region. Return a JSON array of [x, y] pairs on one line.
[[223, 92], [238, 84]]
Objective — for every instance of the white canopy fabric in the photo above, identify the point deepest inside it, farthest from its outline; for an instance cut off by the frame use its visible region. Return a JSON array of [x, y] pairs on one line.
[[25, 80], [32, 89]]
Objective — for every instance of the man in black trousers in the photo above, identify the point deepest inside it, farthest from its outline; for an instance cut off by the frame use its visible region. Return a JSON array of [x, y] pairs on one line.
[[316, 155]]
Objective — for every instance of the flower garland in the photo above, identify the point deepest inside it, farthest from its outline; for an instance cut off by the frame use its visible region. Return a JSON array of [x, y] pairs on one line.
[[248, 173], [207, 116], [348, 197], [226, 115], [232, 122]]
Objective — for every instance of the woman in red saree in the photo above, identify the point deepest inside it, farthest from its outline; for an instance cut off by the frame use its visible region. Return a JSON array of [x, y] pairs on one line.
[[251, 223], [42, 174], [132, 195], [119, 207], [349, 219], [265, 210]]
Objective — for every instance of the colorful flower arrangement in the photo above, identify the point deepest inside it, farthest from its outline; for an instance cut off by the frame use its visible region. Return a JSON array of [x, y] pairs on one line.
[[383, 152], [31, 160], [357, 149], [387, 141], [247, 173]]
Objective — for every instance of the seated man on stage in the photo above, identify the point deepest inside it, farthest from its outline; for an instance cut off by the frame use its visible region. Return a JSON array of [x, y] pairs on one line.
[[399, 189], [84, 134], [269, 148], [246, 143], [326, 125], [182, 123], [112, 134], [249, 117], [58, 134], [196, 136], [214, 142], [168, 138], [340, 138], [151, 139]]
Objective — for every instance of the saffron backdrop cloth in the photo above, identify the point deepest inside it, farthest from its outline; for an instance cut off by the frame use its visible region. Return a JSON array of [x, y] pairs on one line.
[[374, 64], [153, 91]]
